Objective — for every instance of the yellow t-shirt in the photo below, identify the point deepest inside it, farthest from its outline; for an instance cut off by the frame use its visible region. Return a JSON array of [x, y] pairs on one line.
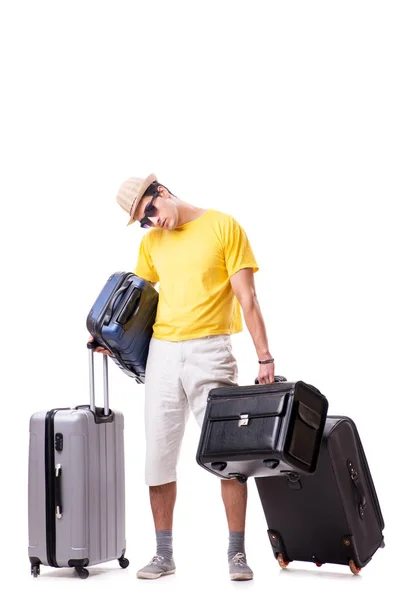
[[193, 264]]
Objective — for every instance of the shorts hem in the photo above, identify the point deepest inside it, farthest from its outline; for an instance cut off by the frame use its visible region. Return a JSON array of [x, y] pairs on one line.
[[160, 481]]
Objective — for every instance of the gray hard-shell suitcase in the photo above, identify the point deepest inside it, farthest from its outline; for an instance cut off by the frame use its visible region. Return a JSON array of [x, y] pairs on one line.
[[76, 485]]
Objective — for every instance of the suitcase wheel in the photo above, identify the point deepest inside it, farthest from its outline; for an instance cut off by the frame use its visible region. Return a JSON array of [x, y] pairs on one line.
[[82, 572], [282, 562], [241, 479], [318, 564], [35, 570], [123, 563], [355, 570]]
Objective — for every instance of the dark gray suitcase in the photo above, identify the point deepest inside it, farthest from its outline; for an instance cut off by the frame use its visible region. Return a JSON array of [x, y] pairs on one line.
[[122, 319], [262, 430], [334, 515], [76, 485]]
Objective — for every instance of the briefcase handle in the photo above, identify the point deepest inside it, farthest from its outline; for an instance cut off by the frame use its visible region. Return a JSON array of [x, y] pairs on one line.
[[278, 379]]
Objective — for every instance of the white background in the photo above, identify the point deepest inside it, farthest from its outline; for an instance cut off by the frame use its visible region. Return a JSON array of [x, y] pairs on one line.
[[284, 114]]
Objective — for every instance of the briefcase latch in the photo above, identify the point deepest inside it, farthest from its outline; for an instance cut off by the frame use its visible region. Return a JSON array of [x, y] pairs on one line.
[[244, 420]]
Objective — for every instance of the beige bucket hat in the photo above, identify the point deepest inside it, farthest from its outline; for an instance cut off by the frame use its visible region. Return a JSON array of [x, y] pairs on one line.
[[131, 192]]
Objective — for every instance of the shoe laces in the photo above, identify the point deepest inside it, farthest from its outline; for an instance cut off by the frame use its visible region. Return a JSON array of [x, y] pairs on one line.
[[156, 559], [239, 559]]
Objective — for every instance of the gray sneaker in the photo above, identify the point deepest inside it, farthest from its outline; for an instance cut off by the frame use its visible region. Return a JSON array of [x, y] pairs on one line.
[[239, 569], [157, 567]]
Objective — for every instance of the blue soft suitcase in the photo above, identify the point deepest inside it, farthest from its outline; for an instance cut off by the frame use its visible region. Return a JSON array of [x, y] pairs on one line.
[[122, 319]]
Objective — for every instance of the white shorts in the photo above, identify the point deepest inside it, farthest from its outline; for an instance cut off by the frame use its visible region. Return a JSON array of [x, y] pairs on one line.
[[179, 376]]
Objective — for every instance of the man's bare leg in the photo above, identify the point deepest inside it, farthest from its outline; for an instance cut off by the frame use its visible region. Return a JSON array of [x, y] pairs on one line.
[[162, 502], [234, 496]]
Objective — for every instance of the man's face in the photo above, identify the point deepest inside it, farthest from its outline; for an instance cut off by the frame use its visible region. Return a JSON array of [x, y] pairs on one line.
[[161, 212]]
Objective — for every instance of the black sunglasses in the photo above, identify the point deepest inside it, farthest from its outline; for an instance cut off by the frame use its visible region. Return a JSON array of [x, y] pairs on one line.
[[149, 211]]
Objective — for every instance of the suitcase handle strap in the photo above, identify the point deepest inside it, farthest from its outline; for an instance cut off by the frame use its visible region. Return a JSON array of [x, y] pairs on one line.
[[131, 308], [57, 475], [113, 301], [362, 502]]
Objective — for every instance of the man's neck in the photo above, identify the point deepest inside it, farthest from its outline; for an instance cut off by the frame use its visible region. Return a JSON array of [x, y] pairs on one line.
[[188, 212]]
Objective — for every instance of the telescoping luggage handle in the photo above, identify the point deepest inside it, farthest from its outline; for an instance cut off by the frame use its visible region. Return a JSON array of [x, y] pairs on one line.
[[92, 346]]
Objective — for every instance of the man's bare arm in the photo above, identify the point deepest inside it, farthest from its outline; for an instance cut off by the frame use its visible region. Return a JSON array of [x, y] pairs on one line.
[[243, 286]]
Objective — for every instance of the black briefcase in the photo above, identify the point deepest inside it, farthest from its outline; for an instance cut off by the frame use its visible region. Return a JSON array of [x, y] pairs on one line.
[[262, 430], [334, 516]]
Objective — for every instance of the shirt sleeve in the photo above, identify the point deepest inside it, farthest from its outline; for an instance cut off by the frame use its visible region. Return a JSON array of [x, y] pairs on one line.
[[237, 249], [144, 266]]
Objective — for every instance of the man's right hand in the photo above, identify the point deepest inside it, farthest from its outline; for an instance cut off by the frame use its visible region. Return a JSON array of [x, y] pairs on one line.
[[99, 348]]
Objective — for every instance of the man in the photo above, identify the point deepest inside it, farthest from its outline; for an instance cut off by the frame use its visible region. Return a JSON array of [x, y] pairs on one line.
[[204, 265]]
